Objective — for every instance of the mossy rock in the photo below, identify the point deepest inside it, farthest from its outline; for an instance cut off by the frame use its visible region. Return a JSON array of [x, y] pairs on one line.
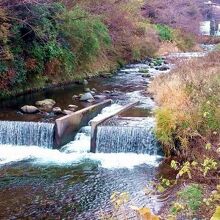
[[158, 62], [143, 70]]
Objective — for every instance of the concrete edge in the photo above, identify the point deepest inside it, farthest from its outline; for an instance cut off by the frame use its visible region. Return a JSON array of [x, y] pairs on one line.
[[94, 124], [66, 127]]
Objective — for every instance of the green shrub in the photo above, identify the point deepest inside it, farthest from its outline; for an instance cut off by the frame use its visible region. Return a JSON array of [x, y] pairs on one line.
[[165, 32], [87, 34], [20, 70], [166, 124], [192, 196]]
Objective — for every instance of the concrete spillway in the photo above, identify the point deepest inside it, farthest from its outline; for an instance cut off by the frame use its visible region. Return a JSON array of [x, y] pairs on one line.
[[127, 135]]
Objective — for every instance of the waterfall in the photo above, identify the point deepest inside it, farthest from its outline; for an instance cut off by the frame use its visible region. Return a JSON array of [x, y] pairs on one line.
[[27, 133], [135, 136]]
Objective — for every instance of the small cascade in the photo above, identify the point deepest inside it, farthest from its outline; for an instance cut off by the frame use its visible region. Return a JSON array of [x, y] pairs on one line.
[[127, 136], [27, 133]]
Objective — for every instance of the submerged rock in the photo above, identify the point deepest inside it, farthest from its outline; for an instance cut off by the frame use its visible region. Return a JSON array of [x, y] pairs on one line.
[[86, 97], [30, 109]]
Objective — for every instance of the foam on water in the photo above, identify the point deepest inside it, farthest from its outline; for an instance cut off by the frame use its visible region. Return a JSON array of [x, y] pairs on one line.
[[76, 152], [43, 156], [107, 112], [145, 102]]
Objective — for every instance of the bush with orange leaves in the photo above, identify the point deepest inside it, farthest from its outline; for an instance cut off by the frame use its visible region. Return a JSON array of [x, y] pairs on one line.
[[189, 104], [132, 35]]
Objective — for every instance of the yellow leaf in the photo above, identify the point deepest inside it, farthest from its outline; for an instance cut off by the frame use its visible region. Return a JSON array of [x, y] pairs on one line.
[[216, 215], [143, 211], [160, 189], [154, 217]]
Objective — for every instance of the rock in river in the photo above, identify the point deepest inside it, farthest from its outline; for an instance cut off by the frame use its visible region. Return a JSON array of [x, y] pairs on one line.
[[87, 90], [67, 112], [72, 107], [99, 96], [163, 68], [85, 82], [82, 82], [86, 96], [30, 109], [75, 97], [146, 75], [46, 104], [57, 110]]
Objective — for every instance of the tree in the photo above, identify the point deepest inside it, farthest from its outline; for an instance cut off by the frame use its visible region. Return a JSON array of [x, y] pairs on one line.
[[180, 14]]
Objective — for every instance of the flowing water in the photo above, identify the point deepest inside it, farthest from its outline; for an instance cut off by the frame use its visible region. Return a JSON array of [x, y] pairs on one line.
[[72, 182], [26, 133], [127, 135], [38, 182]]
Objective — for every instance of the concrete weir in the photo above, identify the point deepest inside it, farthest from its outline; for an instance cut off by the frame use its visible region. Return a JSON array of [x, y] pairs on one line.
[[66, 127], [95, 124]]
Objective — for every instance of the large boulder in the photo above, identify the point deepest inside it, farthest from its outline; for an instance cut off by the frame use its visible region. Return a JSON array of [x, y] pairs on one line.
[[46, 104], [87, 97], [29, 109]]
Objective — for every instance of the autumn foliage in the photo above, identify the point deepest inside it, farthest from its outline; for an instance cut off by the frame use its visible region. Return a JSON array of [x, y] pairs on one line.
[[48, 41]]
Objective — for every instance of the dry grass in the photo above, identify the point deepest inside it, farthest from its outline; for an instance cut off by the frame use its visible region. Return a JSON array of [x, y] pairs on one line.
[[190, 94], [188, 125], [209, 39]]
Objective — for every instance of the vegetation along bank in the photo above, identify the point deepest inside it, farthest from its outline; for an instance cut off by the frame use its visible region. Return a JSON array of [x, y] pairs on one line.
[[44, 43]]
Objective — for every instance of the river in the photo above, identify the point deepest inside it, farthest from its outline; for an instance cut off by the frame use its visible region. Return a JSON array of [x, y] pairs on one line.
[[72, 183]]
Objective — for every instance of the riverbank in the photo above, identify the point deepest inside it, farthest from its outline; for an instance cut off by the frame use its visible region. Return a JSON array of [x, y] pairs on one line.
[[188, 127], [65, 42]]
